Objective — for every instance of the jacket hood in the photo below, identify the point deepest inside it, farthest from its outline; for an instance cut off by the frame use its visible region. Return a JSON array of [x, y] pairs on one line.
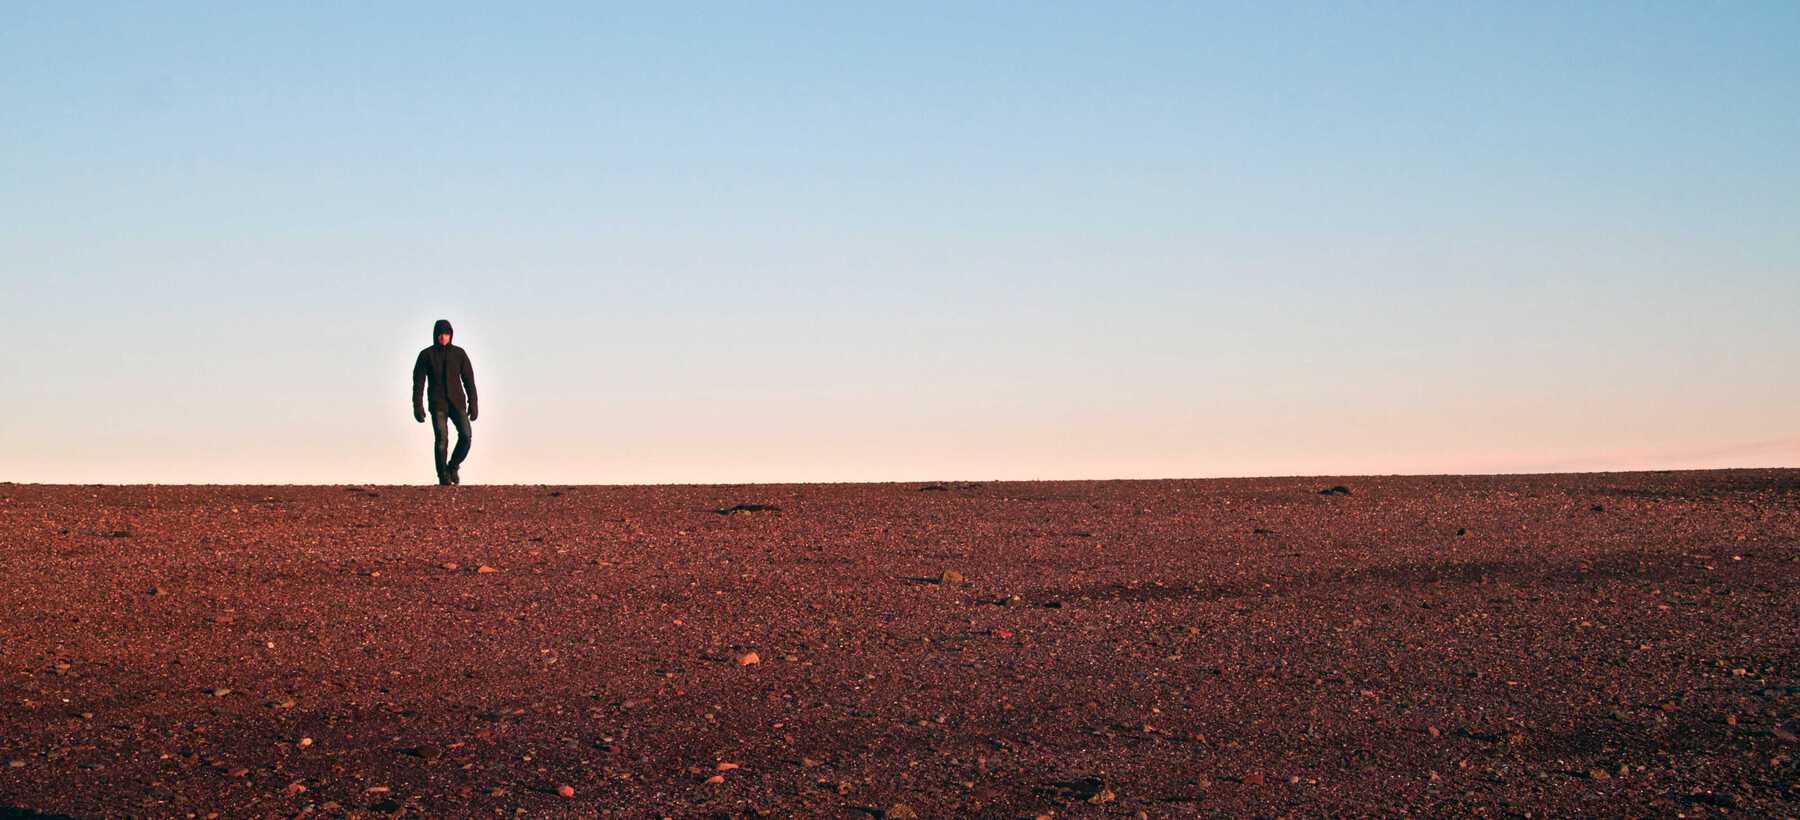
[[442, 327]]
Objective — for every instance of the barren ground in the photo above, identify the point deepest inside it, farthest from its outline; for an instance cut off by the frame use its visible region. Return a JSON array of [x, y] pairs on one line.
[[1604, 644]]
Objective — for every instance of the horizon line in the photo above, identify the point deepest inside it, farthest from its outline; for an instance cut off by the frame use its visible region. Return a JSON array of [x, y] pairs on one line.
[[1296, 476]]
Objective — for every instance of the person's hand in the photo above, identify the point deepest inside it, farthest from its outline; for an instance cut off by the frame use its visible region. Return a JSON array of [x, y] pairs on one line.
[[473, 412], [419, 415]]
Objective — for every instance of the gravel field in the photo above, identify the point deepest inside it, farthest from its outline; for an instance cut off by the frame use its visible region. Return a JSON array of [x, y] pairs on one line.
[[1565, 645]]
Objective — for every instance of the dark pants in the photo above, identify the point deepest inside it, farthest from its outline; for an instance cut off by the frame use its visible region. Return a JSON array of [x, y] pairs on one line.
[[440, 438]]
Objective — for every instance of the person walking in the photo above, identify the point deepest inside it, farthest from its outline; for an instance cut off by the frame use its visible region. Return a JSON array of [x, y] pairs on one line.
[[445, 367]]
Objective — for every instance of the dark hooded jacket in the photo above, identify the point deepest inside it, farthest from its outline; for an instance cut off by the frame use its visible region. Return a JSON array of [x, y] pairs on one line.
[[446, 369]]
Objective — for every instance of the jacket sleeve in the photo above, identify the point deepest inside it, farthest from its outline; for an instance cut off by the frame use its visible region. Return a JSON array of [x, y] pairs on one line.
[[419, 370], [468, 379]]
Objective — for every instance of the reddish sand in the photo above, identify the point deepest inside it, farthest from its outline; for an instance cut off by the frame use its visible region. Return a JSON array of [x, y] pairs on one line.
[[1570, 645]]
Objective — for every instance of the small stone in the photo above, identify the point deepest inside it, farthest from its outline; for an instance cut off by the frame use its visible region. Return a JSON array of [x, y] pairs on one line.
[[15, 764], [1104, 795], [949, 577], [900, 811], [805, 762], [295, 787], [239, 772], [220, 691], [566, 790], [1599, 774], [726, 767], [157, 591], [717, 778], [452, 565], [1013, 600], [305, 742], [748, 658], [1253, 779], [485, 569]]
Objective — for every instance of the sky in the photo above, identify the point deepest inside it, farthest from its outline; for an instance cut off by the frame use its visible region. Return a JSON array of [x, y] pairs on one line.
[[723, 243]]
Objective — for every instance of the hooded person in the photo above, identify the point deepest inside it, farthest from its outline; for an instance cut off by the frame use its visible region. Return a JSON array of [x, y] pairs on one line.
[[442, 374]]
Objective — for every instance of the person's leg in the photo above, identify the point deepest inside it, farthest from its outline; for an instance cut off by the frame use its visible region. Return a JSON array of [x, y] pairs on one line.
[[440, 443], [463, 436]]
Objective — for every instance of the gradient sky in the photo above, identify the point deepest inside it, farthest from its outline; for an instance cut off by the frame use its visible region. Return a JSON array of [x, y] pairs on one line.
[[842, 241]]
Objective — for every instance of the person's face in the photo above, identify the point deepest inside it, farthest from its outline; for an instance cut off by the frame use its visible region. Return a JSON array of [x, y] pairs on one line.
[[443, 339]]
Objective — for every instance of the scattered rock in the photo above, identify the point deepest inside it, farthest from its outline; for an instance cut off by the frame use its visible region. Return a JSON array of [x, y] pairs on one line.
[[157, 592], [1337, 490], [747, 508], [726, 767], [426, 752], [717, 778], [219, 692], [748, 658], [950, 577], [485, 569], [934, 488], [565, 789], [1253, 779], [305, 742], [1105, 795], [900, 811], [452, 566]]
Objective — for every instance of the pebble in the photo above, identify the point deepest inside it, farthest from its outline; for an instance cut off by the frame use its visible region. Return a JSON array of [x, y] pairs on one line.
[[717, 778], [485, 569], [726, 767], [748, 658], [901, 811], [949, 577], [305, 742], [566, 790]]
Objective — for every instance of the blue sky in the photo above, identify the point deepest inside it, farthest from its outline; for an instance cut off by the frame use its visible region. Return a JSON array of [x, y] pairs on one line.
[[848, 242]]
